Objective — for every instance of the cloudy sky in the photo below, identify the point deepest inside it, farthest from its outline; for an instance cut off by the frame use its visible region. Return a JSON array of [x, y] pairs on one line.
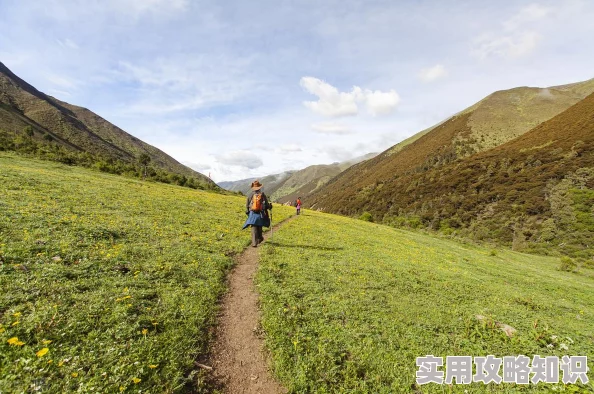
[[247, 88]]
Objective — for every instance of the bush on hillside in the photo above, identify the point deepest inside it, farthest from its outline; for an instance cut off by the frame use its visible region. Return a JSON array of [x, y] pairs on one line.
[[55, 152], [366, 216], [568, 264]]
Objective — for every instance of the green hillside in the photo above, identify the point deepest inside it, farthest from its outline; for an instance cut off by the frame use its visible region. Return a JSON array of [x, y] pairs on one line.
[[532, 193], [349, 305], [112, 284], [119, 279], [35, 123], [498, 118]]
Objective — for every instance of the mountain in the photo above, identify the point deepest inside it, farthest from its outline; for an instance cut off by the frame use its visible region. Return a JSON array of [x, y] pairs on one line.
[[311, 178], [75, 129], [289, 185], [534, 192], [498, 118], [271, 183]]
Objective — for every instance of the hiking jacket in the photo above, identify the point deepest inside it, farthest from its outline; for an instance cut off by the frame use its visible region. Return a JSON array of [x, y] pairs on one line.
[[257, 218]]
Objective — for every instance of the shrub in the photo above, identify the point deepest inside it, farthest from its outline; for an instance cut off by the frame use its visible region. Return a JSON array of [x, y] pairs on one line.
[[567, 264], [366, 216]]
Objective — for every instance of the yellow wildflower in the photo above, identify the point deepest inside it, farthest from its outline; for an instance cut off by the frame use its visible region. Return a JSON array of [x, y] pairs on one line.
[[74, 374], [13, 340], [46, 341], [42, 352], [60, 363], [136, 380], [17, 314], [15, 323], [50, 361], [153, 366], [144, 331]]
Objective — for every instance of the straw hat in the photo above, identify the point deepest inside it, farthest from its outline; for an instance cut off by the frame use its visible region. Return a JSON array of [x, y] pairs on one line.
[[256, 185]]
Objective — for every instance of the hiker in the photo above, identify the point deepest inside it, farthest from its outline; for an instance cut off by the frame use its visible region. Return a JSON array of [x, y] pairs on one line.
[[298, 205], [257, 207]]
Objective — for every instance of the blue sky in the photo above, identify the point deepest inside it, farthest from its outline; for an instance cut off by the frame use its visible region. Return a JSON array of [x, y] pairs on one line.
[[239, 89]]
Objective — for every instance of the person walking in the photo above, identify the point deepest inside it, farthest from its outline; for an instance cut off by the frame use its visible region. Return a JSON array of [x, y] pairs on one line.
[[298, 205], [257, 207]]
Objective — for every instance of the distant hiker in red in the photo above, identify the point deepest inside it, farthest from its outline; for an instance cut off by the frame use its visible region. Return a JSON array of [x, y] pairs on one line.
[[298, 205], [256, 208]]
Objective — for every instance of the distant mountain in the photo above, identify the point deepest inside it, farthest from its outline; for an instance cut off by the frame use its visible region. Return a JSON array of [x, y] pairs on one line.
[[534, 191], [271, 183], [311, 178], [76, 129], [289, 185]]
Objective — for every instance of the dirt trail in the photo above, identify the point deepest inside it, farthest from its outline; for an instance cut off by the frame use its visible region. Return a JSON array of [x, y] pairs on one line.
[[238, 357]]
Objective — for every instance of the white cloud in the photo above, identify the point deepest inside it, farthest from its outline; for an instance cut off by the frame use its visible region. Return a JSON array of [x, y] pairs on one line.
[[185, 82], [62, 82], [198, 166], [241, 158], [289, 148], [510, 46], [528, 14], [331, 128], [263, 147], [333, 103], [381, 103], [518, 37], [433, 73], [339, 153]]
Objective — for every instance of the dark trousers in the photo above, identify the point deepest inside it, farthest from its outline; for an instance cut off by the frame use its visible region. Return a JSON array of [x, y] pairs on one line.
[[257, 235]]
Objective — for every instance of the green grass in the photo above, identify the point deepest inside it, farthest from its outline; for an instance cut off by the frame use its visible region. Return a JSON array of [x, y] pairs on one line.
[[349, 305], [122, 276]]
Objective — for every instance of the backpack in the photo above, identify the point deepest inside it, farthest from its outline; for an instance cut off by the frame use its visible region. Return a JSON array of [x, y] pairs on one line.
[[257, 202]]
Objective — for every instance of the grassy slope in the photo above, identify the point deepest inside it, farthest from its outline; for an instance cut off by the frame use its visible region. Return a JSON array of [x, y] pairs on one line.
[[497, 118], [89, 260], [348, 305]]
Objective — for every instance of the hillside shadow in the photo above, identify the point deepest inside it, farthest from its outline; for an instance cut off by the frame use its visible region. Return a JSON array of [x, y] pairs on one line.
[[285, 245]]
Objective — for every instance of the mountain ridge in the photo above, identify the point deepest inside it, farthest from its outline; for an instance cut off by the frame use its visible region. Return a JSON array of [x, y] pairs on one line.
[[456, 137], [287, 186], [75, 128], [533, 193]]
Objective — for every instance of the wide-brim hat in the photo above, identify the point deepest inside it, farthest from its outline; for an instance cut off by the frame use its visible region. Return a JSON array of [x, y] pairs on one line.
[[256, 185]]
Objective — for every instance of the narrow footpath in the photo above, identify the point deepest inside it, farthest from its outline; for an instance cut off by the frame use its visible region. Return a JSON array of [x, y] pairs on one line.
[[238, 357]]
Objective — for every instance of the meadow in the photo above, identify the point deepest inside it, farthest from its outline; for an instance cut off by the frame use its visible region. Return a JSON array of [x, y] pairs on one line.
[[348, 306], [109, 284]]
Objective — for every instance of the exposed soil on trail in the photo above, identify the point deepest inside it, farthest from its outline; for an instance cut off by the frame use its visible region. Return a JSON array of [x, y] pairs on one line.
[[238, 357]]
